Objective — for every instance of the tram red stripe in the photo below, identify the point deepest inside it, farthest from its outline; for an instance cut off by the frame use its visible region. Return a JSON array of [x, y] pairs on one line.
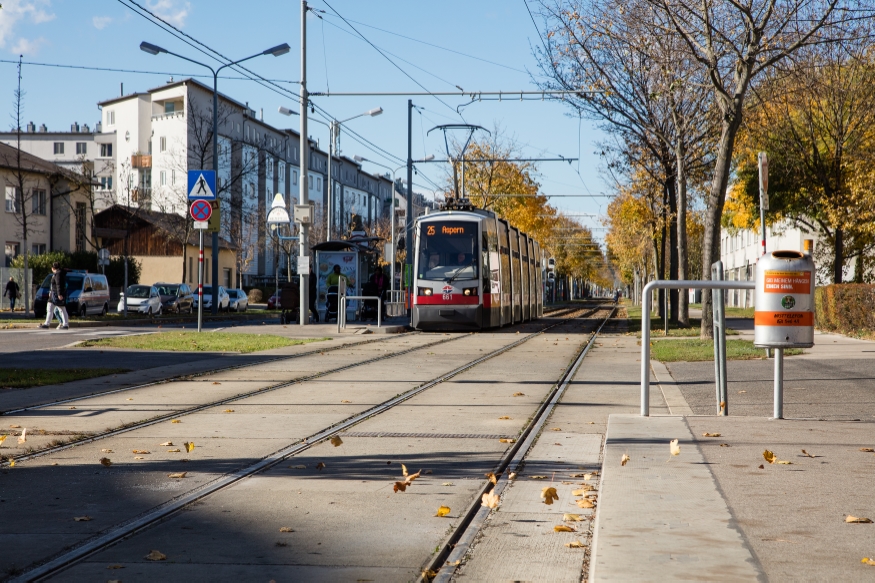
[[455, 299]]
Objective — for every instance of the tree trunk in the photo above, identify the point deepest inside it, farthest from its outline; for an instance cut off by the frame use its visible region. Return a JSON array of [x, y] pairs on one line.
[[838, 255], [672, 251], [684, 300], [714, 210]]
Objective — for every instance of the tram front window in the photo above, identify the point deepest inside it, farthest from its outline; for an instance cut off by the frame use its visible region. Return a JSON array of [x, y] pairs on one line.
[[448, 250]]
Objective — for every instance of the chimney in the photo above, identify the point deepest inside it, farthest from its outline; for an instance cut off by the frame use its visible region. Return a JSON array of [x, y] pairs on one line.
[[261, 114], [31, 128], [98, 127], [74, 127], [86, 129], [43, 129], [121, 89]]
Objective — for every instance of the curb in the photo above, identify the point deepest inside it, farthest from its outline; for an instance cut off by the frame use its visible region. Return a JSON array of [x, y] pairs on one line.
[[146, 322]]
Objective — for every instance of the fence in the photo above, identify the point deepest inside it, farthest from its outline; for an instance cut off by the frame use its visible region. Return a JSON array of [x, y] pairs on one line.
[[18, 274], [396, 303]]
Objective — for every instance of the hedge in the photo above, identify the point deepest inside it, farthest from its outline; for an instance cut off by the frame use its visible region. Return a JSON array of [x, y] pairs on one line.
[[41, 266], [848, 308]]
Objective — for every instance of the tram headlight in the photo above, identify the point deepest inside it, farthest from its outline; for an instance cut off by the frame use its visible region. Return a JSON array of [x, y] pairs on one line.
[[469, 291], [424, 291]]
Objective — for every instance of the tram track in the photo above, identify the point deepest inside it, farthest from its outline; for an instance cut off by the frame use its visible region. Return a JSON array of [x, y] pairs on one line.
[[164, 511]]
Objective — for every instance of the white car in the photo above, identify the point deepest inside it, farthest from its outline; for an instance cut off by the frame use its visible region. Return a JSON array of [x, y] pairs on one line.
[[239, 300], [143, 299], [224, 298]]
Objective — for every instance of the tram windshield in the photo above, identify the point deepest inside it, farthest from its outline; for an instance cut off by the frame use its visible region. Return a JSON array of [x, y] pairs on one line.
[[448, 250]]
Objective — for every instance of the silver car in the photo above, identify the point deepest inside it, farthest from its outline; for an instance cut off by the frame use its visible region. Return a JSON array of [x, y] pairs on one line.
[[239, 300], [224, 298], [143, 299]]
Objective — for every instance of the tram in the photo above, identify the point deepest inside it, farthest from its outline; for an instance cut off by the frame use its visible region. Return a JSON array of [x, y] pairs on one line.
[[473, 270]]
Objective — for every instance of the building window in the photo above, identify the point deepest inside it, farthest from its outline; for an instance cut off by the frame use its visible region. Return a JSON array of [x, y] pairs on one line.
[[318, 183], [38, 249], [110, 117], [173, 178], [106, 182], [13, 199], [59, 147], [105, 150], [310, 182], [294, 177], [169, 107], [38, 197], [163, 178], [81, 148], [80, 226], [162, 144]]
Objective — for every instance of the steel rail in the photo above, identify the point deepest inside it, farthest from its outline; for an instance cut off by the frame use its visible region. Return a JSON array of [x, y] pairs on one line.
[[456, 545], [132, 527]]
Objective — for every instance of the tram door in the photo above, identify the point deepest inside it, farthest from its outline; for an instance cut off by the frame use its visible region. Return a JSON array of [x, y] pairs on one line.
[[492, 276], [533, 291], [524, 267], [506, 274], [517, 275]]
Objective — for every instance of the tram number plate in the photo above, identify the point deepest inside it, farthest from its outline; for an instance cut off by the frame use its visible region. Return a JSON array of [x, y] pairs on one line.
[[448, 292]]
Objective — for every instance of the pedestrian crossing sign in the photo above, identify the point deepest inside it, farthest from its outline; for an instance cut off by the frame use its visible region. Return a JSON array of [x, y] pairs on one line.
[[202, 184]]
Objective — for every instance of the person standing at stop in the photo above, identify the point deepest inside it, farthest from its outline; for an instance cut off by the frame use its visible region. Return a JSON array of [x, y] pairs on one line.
[[12, 292], [57, 298]]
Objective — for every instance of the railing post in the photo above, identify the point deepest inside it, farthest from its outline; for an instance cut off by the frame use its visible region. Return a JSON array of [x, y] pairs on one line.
[[718, 311], [379, 312], [645, 349]]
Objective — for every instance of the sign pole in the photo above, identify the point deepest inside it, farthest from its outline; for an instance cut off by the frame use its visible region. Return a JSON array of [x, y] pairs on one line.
[[200, 282], [763, 160]]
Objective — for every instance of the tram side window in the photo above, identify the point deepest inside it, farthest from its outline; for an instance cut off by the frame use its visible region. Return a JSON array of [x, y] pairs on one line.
[[449, 250]]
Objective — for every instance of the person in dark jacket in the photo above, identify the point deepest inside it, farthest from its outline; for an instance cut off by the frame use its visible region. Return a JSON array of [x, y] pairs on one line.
[[57, 298], [314, 293], [12, 292]]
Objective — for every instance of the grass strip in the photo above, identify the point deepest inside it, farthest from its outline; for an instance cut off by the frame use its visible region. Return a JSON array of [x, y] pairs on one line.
[[22, 378], [701, 350], [657, 325], [199, 342]]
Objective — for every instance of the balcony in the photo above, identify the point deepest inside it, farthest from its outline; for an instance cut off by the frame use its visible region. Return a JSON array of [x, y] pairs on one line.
[[141, 161]]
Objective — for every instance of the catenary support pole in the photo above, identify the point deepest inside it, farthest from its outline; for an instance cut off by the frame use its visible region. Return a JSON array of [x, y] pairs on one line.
[[408, 244], [215, 235], [304, 305]]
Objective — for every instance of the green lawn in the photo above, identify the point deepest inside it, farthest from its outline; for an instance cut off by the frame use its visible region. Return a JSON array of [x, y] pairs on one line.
[[703, 350], [731, 312], [657, 325], [199, 342], [21, 378]]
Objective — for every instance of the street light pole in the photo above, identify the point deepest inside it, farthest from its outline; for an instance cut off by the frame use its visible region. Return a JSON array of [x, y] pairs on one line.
[[304, 278], [408, 244]]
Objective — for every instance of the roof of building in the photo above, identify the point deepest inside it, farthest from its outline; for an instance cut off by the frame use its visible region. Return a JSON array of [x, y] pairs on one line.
[[121, 98], [167, 222], [29, 162]]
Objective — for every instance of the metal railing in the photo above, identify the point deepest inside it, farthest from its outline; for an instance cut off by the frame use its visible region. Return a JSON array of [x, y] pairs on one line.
[[341, 313], [645, 326], [396, 303]]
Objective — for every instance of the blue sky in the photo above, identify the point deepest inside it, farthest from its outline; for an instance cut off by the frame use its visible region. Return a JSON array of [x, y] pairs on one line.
[[107, 33]]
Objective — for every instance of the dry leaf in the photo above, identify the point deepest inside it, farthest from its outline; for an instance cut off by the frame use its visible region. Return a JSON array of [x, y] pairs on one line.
[[137, 457], [504, 417], [555, 429], [320, 466], [140, 451], [855, 520], [130, 398], [762, 467], [740, 392], [537, 477], [867, 449], [579, 492], [400, 486], [519, 394], [115, 567], [189, 445], [625, 459], [403, 470], [336, 441], [216, 383], [575, 545], [72, 407], [587, 476], [15, 427], [286, 529], [3, 438], [770, 456], [228, 411], [11, 463], [177, 475], [345, 401], [725, 445], [176, 421], [506, 440], [492, 477], [808, 454], [722, 405], [106, 461], [443, 511], [549, 494], [156, 556], [23, 437], [674, 447], [166, 444], [490, 500], [299, 467], [868, 561], [572, 517], [585, 503], [173, 450], [511, 476], [784, 463], [81, 518], [563, 528], [447, 484], [429, 574], [710, 435]]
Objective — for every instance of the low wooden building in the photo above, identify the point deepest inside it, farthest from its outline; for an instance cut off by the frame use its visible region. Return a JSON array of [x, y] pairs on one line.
[[156, 240]]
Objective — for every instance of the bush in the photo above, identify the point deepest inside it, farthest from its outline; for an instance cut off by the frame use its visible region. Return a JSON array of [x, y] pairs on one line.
[[255, 296], [41, 266], [848, 308], [115, 271]]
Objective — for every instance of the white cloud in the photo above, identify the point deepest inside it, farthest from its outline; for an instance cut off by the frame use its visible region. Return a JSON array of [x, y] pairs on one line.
[[27, 47], [173, 11], [37, 11], [100, 22]]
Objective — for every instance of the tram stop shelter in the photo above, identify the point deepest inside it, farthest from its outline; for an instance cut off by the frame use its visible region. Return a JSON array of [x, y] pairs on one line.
[[353, 256]]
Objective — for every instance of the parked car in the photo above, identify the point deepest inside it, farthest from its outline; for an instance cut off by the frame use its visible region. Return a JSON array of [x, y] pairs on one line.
[[175, 298], [224, 298], [239, 300], [143, 299], [87, 293]]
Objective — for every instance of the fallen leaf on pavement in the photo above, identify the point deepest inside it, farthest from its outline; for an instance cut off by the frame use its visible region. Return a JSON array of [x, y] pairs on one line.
[[584, 476], [625, 459], [571, 517], [770, 456], [345, 401], [762, 467], [585, 503], [867, 449], [674, 447], [72, 407], [189, 445], [511, 476], [137, 457], [428, 573], [492, 477], [11, 463], [3, 438], [106, 461], [23, 437], [140, 451], [216, 383], [443, 511], [740, 392], [320, 466], [855, 520], [490, 500], [81, 518], [156, 556], [504, 417], [15, 427], [177, 475], [400, 486], [166, 444], [575, 545], [519, 394], [299, 467], [115, 567], [447, 484], [286, 529], [176, 421], [588, 476], [710, 435], [537, 477], [581, 491], [725, 445], [548, 495], [555, 429], [336, 441], [722, 405], [808, 454], [563, 528], [228, 411], [506, 440], [173, 450], [784, 463], [868, 561]]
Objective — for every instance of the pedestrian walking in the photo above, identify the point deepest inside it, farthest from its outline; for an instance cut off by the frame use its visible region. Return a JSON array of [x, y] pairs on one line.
[[313, 286], [57, 298], [11, 292]]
